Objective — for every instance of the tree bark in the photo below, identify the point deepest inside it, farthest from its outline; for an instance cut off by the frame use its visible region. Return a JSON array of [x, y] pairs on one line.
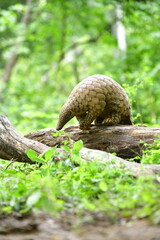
[[125, 141], [13, 145]]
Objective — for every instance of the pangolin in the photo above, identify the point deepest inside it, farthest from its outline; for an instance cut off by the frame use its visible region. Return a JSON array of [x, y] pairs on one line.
[[97, 98]]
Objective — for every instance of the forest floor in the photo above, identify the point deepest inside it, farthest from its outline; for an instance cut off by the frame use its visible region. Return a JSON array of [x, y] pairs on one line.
[[69, 227]]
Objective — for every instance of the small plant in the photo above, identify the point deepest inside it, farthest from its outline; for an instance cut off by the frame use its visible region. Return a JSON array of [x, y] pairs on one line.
[[43, 158], [152, 153], [47, 157]]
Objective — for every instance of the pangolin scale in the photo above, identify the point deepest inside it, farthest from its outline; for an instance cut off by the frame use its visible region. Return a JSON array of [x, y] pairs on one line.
[[97, 98]]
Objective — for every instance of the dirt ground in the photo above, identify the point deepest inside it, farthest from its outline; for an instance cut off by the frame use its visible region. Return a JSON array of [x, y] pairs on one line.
[[44, 227]]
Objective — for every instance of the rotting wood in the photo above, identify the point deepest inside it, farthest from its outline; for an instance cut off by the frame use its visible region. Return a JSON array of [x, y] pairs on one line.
[[126, 141], [13, 145]]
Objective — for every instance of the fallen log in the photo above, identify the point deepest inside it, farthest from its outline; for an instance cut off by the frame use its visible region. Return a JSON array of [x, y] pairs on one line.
[[13, 145], [136, 169], [125, 141]]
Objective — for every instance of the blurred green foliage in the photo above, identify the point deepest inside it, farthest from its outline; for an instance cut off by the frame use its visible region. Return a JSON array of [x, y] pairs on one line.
[[152, 153], [84, 186], [66, 41]]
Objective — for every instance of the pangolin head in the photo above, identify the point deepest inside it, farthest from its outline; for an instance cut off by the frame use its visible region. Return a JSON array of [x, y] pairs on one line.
[[65, 115]]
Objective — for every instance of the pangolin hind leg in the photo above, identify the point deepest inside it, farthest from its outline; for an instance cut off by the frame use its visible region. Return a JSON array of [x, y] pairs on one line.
[[112, 119], [86, 119], [109, 118]]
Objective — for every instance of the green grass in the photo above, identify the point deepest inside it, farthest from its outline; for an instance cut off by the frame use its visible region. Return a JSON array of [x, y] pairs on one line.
[[79, 185]]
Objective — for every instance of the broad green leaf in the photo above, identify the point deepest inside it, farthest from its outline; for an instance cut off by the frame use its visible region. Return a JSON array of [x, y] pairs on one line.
[[10, 171], [49, 154], [77, 146], [40, 160], [103, 186], [34, 157], [33, 199], [31, 154], [66, 148]]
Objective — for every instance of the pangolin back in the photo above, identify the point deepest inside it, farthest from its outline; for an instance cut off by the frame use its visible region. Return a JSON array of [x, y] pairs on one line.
[[97, 98]]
